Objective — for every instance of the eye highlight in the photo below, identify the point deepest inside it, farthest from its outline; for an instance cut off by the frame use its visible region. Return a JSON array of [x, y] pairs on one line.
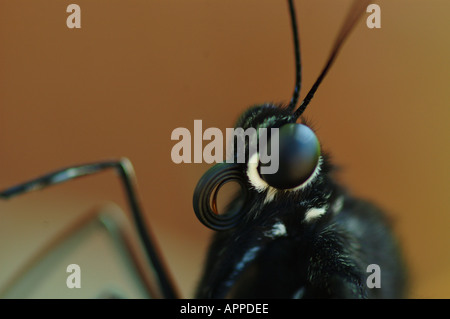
[[299, 152]]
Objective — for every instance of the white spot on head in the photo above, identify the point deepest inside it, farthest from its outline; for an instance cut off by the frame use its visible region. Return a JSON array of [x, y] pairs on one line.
[[271, 192], [314, 213], [252, 172], [278, 230]]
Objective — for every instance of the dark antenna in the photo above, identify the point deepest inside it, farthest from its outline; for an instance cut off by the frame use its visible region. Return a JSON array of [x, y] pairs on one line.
[[298, 65], [358, 7]]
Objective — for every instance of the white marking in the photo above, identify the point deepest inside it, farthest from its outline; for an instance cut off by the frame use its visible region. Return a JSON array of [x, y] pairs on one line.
[[338, 204], [252, 172], [278, 230], [314, 213], [271, 192], [260, 185], [248, 257]]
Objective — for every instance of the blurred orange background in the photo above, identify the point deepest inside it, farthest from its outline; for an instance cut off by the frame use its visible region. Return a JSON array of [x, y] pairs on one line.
[[136, 70]]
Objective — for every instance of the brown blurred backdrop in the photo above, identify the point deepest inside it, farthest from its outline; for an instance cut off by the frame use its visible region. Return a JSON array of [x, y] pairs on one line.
[[136, 70]]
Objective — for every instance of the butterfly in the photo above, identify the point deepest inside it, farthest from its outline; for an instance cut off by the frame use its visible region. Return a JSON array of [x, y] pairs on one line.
[[295, 233]]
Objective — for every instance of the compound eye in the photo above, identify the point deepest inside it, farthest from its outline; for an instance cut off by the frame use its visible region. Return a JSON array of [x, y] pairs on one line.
[[299, 152]]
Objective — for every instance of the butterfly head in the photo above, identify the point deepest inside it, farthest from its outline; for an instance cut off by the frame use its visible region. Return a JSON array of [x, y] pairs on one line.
[[282, 159]]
